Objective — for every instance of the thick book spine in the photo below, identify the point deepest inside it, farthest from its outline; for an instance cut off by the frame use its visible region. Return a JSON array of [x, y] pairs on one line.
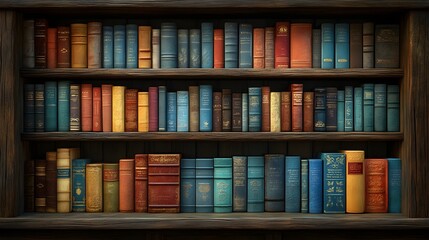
[[94, 187], [222, 185], [171, 112], [131, 110], [145, 47], [334, 182], [75, 107], [300, 45], [51, 181], [132, 45], [293, 184], [79, 184], [94, 44], [394, 185], [258, 48], [236, 112], [218, 49], [153, 109], [255, 109], [275, 112], [255, 183], [296, 106], [182, 111], [187, 185], [29, 186], [340, 111], [386, 46], [380, 108], [51, 107], [118, 109], [265, 108], [96, 110], [356, 47], [156, 48], [119, 44], [315, 186], [244, 112], [111, 187], [358, 109], [355, 181], [331, 109], [308, 116], [286, 112], [143, 111], [319, 109], [40, 186], [106, 107], [226, 110], [316, 57], [206, 106], [168, 51], [140, 187], [231, 45], [28, 44], [107, 47], [304, 185], [376, 183], [342, 45], [368, 107], [281, 45], [183, 48], [63, 180], [39, 107], [29, 107], [194, 108], [63, 106], [327, 45], [269, 47], [239, 183], [162, 108], [86, 107], [40, 42], [245, 47], [348, 109], [274, 183], [207, 45], [126, 185], [392, 108], [52, 48], [217, 112], [204, 173], [79, 45], [368, 45]]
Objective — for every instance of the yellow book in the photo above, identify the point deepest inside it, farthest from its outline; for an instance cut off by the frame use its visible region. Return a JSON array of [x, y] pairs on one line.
[[355, 181], [143, 112], [94, 187], [275, 121], [79, 45], [118, 109], [145, 49]]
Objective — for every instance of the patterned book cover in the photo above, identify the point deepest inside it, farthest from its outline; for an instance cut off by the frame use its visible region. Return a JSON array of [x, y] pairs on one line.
[[75, 99], [40, 42], [182, 111], [217, 112], [258, 48], [293, 184], [140, 185], [334, 182], [222, 185], [194, 48], [40, 185], [255, 183], [308, 109], [187, 185], [96, 110], [206, 108], [239, 183], [380, 107], [183, 48], [340, 111], [51, 106], [94, 187], [39, 107], [348, 109], [296, 106], [331, 109], [171, 112], [255, 109], [226, 110], [236, 112], [376, 185], [355, 181], [79, 184], [319, 109], [204, 173], [281, 45], [269, 47]]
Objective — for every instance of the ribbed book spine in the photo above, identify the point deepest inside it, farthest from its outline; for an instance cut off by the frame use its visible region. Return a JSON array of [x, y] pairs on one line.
[[296, 106], [368, 45], [255, 183], [171, 112], [126, 185], [239, 183], [131, 110], [119, 42], [348, 109], [107, 47], [51, 181], [222, 185], [153, 109], [206, 106], [304, 185], [226, 110], [29, 186], [355, 181], [169, 45], [244, 112], [258, 48], [275, 106], [140, 187], [207, 39], [162, 108], [106, 107], [182, 111], [265, 108], [340, 111], [255, 109], [315, 186], [282, 45], [75, 100], [376, 185], [334, 182], [286, 112], [386, 46], [96, 110], [145, 47], [217, 112], [392, 108], [342, 45], [195, 48], [231, 45], [218, 49], [156, 48], [52, 48], [86, 107], [94, 44], [111, 187], [51, 107], [327, 45], [300, 45], [308, 109], [63, 180], [63, 106], [183, 48], [394, 185], [245, 46], [94, 187], [316, 47], [274, 183], [79, 184], [204, 173], [319, 109], [331, 109], [40, 42], [194, 108], [28, 46], [356, 47], [380, 105], [132, 45], [118, 109], [29, 107], [269, 47], [236, 112], [293, 184], [187, 185], [143, 111], [368, 107], [39, 107], [40, 185], [79, 45], [358, 109]]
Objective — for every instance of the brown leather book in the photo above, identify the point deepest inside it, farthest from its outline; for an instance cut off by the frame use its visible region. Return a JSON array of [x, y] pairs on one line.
[[281, 45], [52, 48], [106, 107], [140, 183], [296, 93], [164, 183], [28, 45], [63, 47], [51, 182], [285, 112], [29, 185], [40, 186], [145, 47], [75, 108], [266, 109], [301, 45], [40, 42], [356, 46], [194, 108], [226, 110], [386, 46], [131, 110], [79, 45], [269, 47], [308, 111], [217, 111], [86, 107], [258, 48], [96, 110], [126, 185], [218, 48], [368, 45], [376, 182], [94, 44], [94, 187], [236, 112], [111, 187]]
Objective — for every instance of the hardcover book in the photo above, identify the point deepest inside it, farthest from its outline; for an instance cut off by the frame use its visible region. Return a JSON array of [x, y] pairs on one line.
[[265, 107], [118, 109], [334, 182], [140, 185], [28, 46], [204, 174], [187, 185], [348, 109], [63, 47], [132, 45], [131, 109], [217, 112], [239, 183], [143, 111], [226, 110], [29, 107], [244, 112], [293, 184], [194, 108], [194, 48], [300, 45], [327, 45], [356, 45], [236, 112], [183, 48], [376, 182], [304, 185], [153, 109], [316, 48], [182, 111], [106, 107], [218, 49], [86, 107], [255, 183], [144, 46], [269, 47], [75, 97], [162, 108], [274, 183], [281, 45], [275, 116], [393, 118], [119, 46], [255, 109], [296, 103], [340, 111], [156, 49], [355, 181], [394, 185], [315, 186], [206, 106], [79, 45], [171, 112], [231, 45], [29, 185], [94, 187], [245, 45], [40, 42], [358, 109], [40, 185], [286, 112], [368, 45], [258, 48], [380, 108], [65, 157], [342, 45], [39, 107], [386, 46], [207, 40], [79, 184], [51, 107], [222, 185], [96, 110], [368, 107], [94, 44], [331, 109], [319, 109], [168, 42], [111, 187], [52, 48], [308, 118], [126, 185], [108, 47]]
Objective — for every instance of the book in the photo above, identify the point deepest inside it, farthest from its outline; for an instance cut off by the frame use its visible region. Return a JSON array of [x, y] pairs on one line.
[[301, 45], [162, 108], [275, 106], [342, 45], [29, 107], [40, 185], [143, 112], [334, 182], [75, 99], [355, 181], [293, 184], [236, 112], [79, 184], [118, 109], [207, 39], [94, 187], [153, 109], [282, 45], [356, 45], [107, 47], [65, 157], [394, 185], [296, 106], [331, 109], [231, 45], [40, 43], [119, 46], [86, 107], [358, 109], [39, 107], [140, 185], [28, 58], [126, 185], [168, 42], [316, 47], [51, 50], [244, 112], [222, 185], [245, 46], [269, 47], [204, 180], [97, 125], [380, 107], [274, 183], [319, 109], [111, 187], [308, 109], [171, 112], [131, 109], [265, 108], [183, 48], [348, 109], [368, 107], [132, 45], [286, 112], [386, 46], [194, 48], [144, 47], [304, 185], [29, 185], [206, 106], [376, 182], [194, 108], [315, 186], [51, 182], [258, 48], [51, 106], [156, 49], [106, 107], [218, 49], [368, 45], [217, 112], [94, 44], [393, 98], [63, 47], [187, 185], [182, 111], [327, 45], [255, 183], [255, 109], [226, 110], [79, 45], [64, 106], [239, 183], [340, 111]]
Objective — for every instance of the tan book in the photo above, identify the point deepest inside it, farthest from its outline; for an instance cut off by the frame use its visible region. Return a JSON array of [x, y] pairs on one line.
[[79, 45], [156, 48], [145, 47], [355, 181], [118, 109], [94, 187], [143, 112], [111, 187], [94, 44], [194, 108], [275, 121], [64, 194]]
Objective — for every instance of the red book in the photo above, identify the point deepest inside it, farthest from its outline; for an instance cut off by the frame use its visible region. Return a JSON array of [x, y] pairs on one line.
[[258, 48], [269, 47], [308, 111], [296, 92], [86, 107], [266, 109], [218, 48], [40, 42], [140, 189], [126, 185], [300, 45], [96, 110], [285, 112], [217, 111], [153, 109], [164, 183], [106, 107], [376, 182], [52, 48], [63, 47], [281, 45], [131, 110]]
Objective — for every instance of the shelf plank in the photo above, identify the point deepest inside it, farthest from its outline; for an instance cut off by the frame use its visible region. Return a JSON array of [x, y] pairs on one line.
[[213, 136], [199, 73]]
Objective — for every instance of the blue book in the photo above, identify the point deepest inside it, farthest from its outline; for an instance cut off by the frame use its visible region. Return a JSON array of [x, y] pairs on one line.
[[368, 107], [231, 45], [207, 38], [78, 184], [244, 112], [327, 45], [183, 48], [206, 108], [171, 112], [63, 106], [358, 109], [29, 107], [340, 111], [187, 185], [119, 60], [392, 108], [51, 107], [239, 183], [342, 45], [222, 185], [304, 185], [255, 184], [315, 186], [132, 45], [255, 109], [245, 46], [39, 107], [162, 108], [107, 47], [195, 48], [334, 179], [168, 45], [182, 111], [293, 184], [204, 173], [380, 105], [348, 109], [319, 109], [274, 183], [331, 109], [394, 185]]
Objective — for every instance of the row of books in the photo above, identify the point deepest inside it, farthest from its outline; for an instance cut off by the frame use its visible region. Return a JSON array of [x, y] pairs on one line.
[[335, 183], [237, 45], [83, 107]]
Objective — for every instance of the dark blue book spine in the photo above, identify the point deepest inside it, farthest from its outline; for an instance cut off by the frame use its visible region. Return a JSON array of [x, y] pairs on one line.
[[162, 108], [171, 112], [63, 106], [315, 186], [380, 104], [368, 107], [239, 203], [358, 109], [39, 108], [293, 184], [206, 108], [119, 46], [187, 185], [394, 185], [207, 38], [316, 48], [182, 111], [168, 45], [340, 111], [319, 109], [183, 48], [132, 45], [392, 108], [304, 185], [244, 112], [51, 107], [245, 46], [231, 45], [334, 179], [348, 108], [107, 46], [328, 42], [78, 184], [331, 109], [195, 48], [29, 107], [255, 109], [204, 185], [274, 183], [255, 184], [342, 45], [222, 185]]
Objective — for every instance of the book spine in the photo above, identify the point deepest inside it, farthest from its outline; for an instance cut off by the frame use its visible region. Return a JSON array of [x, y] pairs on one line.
[[340, 111], [380, 108], [118, 109], [40, 43], [207, 39], [171, 112], [300, 45], [86, 108], [79, 184], [182, 111], [286, 112], [245, 45], [394, 185], [281, 45], [106, 107], [94, 44], [275, 106], [131, 110], [145, 48], [194, 108], [231, 45], [218, 48], [204, 173], [156, 48], [63, 180], [111, 187], [356, 46], [255, 184], [162, 108], [206, 106], [119, 42], [331, 109], [376, 183], [169, 45], [319, 109], [226, 110], [304, 185], [368, 45], [316, 48], [386, 46], [296, 106], [308, 118], [244, 112], [79, 45], [258, 48], [217, 112], [28, 46], [143, 111], [75, 107], [63, 106], [153, 109], [348, 109], [126, 185], [29, 185], [239, 183], [187, 185], [222, 185], [274, 183], [265, 107], [107, 47], [355, 181], [94, 187], [63, 47], [183, 48], [334, 182], [39, 107], [140, 187], [358, 109], [315, 186], [255, 109], [269, 47], [293, 184], [368, 107], [51, 107], [393, 118], [327, 45], [51, 48], [236, 112], [132, 45], [40, 186], [29, 107], [342, 45]]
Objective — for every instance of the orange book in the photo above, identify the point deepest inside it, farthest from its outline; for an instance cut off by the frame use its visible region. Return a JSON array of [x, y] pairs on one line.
[[86, 107], [145, 47], [126, 185], [52, 48], [296, 103], [376, 193], [96, 110], [301, 45], [143, 111], [140, 182], [355, 181], [106, 105], [218, 48], [258, 48], [94, 44], [79, 45]]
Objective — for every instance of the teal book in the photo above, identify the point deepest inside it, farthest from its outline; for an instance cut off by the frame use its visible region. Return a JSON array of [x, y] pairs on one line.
[[182, 111], [168, 45], [51, 106], [63, 106], [348, 109], [119, 44], [171, 112], [340, 111], [162, 108], [293, 184], [183, 48], [39, 107], [394, 185], [207, 47], [222, 185], [319, 109], [132, 45], [304, 185], [204, 173], [29, 107], [187, 185], [206, 108], [334, 182], [239, 184], [244, 112], [245, 48], [331, 109], [107, 47], [255, 184], [195, 48], [380, 105], [78, 184], [327, 45], [342, 45], [255, 109], [358, 109], [231, 45], [315, 186], [274, 183], [368, 107], [392, 108]]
